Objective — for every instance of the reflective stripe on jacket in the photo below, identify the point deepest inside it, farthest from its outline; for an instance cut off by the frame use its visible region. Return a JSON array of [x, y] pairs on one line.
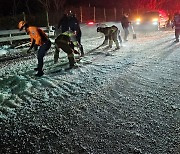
[[72, 37]]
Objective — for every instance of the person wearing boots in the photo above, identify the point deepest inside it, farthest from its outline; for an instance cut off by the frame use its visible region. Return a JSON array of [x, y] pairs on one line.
[[111, 34], [38, 39], [125, 25], [75, 27], [66, 41], [176, 24]]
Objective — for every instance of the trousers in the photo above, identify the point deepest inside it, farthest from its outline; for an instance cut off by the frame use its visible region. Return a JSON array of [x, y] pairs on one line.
[[41, 53]]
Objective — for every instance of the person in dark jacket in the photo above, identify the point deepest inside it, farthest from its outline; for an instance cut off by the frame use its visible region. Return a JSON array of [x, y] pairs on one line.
[[176, 24], [111, 34], [125, 25], [63, 24], [75, 27]]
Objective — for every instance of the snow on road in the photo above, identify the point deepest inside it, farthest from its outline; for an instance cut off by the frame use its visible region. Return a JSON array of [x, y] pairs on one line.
[[117, 102]]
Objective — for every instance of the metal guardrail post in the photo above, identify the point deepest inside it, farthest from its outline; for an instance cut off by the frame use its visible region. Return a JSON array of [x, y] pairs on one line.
[[94, 14], [10, 38]]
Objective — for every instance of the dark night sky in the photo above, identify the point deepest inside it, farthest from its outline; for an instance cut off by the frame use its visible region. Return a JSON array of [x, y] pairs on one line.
[[100, 3], [6, 6]]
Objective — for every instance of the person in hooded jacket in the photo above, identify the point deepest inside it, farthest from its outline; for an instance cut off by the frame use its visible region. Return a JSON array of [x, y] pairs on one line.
[[63, 24], [111, 34], [176, 24], [125, 25], [75, 27], [38, 39]]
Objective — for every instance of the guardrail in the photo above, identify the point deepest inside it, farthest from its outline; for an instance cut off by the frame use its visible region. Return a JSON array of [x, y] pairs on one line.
[[14, 35]]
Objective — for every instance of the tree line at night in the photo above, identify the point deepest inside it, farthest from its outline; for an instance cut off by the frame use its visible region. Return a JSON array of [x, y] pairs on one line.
[[14, 7]]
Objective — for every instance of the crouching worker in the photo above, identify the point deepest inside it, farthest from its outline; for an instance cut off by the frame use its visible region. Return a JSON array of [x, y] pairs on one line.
[[67, 42], [38, 39], [111, 34]]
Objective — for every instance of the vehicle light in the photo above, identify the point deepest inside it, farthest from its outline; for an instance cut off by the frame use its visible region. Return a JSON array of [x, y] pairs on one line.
[[138, 19], [155, 19], [155, 23], [137, 22], [91, 23]]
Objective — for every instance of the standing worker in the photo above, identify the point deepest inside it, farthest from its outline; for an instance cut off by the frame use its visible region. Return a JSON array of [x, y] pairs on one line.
[[125, 25], [63, 24], [111, 34], [38, 39], [176, 24], [75, 27]]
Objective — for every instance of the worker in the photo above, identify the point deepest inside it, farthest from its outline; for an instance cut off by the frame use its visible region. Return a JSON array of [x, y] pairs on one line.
[[67, 42], [125, 25], [63, 24], [39, 41], [75, 27], [176, 24], [111, 34]]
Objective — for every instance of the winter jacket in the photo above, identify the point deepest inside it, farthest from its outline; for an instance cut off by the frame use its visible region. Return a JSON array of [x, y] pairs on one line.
[[176, 21], [64, 24], [107, 31], [110, 34], [74, 25], [125, 22], [37, 35], [72, 37], [69, 39]]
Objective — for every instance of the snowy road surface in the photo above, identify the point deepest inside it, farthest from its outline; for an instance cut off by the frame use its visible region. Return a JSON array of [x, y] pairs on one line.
[[117, 102]]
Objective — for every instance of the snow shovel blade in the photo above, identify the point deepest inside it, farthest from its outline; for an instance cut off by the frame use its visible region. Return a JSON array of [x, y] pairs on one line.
[[134, 36]]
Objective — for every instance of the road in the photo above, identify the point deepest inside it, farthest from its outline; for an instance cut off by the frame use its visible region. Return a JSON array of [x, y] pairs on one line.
[[117, 102]]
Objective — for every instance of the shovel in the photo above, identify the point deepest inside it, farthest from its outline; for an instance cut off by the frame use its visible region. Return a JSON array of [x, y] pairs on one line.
[[134, 34]]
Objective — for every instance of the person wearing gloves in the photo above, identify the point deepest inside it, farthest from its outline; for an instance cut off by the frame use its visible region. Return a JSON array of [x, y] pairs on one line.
[[39, 41], [67, 42], [111, 34]]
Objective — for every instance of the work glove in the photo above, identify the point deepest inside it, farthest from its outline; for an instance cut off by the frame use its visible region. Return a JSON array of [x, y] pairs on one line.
[[75, 32], [29, 51], [35, 47], [76, 52]]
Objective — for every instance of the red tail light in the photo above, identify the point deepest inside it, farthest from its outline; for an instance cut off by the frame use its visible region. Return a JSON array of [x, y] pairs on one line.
[[91, 23]]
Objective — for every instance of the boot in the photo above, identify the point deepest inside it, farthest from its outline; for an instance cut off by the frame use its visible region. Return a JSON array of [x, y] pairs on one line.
[[39, 74], [177, 39], [117, 45], [36, 69], [71, 62], [56, 54], [82, 51]]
